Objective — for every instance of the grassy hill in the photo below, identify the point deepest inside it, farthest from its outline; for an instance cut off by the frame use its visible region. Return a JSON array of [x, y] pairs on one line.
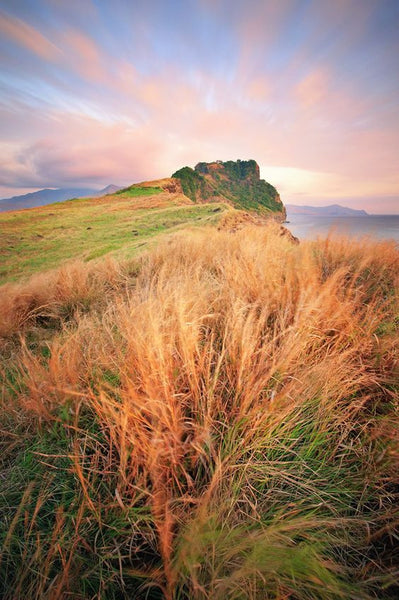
[[210, 417], [128, 220], [44, 237]]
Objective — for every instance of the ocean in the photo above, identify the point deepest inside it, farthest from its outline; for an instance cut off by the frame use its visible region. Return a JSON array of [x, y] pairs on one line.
[[310, 227]]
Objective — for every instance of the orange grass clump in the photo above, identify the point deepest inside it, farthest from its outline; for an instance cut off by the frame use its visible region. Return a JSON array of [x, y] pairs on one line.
[[224, 411]]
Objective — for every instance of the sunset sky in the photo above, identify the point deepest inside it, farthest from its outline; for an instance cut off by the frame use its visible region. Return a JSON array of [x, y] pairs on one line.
[[95, 92]]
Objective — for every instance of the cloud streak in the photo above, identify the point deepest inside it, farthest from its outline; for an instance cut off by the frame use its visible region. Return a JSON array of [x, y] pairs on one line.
[[19, 32], [135, 93]]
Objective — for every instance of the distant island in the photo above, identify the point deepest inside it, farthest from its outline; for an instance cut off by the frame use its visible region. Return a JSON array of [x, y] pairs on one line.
[[333, 210], [48, 196]]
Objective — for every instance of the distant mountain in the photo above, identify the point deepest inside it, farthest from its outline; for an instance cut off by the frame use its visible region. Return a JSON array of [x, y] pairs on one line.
[[110, 189], [48, 196], [334, 210]]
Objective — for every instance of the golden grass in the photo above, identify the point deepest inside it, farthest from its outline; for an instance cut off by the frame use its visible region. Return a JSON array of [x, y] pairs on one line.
[[227, 406], [55, 295]]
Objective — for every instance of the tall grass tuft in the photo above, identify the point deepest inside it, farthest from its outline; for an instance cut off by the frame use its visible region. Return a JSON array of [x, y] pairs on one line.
[[220, 421]]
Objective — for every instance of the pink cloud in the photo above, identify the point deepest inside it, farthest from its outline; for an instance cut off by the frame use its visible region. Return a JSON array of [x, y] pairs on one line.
[[258, 89], [144, 126], [313, 88], [84, 150], [74, 50], [179, 129], [260, 24], [27, 36], [84, 56]]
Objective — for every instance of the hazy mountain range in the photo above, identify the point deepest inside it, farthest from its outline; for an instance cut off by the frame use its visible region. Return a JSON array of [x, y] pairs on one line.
[[48, 196], [333, 210]]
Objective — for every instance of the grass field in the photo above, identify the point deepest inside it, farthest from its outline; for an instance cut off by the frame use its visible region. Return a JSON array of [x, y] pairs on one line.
[[215, 418], [42, 238]]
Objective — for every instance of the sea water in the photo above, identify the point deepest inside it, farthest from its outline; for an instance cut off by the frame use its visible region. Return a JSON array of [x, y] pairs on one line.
[[311, 227]]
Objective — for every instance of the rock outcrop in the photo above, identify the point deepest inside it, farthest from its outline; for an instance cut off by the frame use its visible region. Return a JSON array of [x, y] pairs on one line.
[[235, 182], [234, 220]]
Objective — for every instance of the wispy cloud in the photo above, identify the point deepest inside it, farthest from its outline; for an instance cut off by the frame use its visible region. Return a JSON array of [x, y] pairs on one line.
[[133, 91], [19, 32]]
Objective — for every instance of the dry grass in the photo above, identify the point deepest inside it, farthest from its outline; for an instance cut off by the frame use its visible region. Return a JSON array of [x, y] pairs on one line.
[[54, 297], [218, 422]]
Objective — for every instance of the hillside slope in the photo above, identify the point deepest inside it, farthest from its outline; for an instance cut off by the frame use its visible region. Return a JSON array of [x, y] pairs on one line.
[[41, 238], [128, 220], [236, 182]]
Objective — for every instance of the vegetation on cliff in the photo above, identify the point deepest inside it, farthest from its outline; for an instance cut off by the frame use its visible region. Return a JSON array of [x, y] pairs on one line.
[[193, 184], [237, 182], [214, 419]]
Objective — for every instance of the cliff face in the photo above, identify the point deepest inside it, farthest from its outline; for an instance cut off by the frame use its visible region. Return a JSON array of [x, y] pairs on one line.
[[236, 182]]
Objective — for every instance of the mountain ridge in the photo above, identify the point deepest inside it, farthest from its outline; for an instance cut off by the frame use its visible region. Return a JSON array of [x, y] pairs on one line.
[[332, 210], [50, 195]]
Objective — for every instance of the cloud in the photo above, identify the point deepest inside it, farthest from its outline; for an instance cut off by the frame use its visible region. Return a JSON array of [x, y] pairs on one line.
[[296, 184], [83, 150], [27, 36], [126, 95], [153, 125], [313, 88], [84, 56]]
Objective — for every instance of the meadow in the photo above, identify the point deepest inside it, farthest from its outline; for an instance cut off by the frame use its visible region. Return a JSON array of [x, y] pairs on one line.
[[87, 228], [213, 418]]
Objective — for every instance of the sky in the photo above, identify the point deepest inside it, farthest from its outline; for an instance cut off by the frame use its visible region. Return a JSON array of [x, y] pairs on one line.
[[95, 92]]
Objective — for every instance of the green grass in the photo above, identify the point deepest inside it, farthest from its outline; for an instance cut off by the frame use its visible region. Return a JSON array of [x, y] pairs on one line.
[[133, 191], [216, 419], [41, 485], [43, 238]]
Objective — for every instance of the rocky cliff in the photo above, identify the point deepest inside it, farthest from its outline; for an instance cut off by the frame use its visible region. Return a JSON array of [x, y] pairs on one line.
[[236, 182]]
